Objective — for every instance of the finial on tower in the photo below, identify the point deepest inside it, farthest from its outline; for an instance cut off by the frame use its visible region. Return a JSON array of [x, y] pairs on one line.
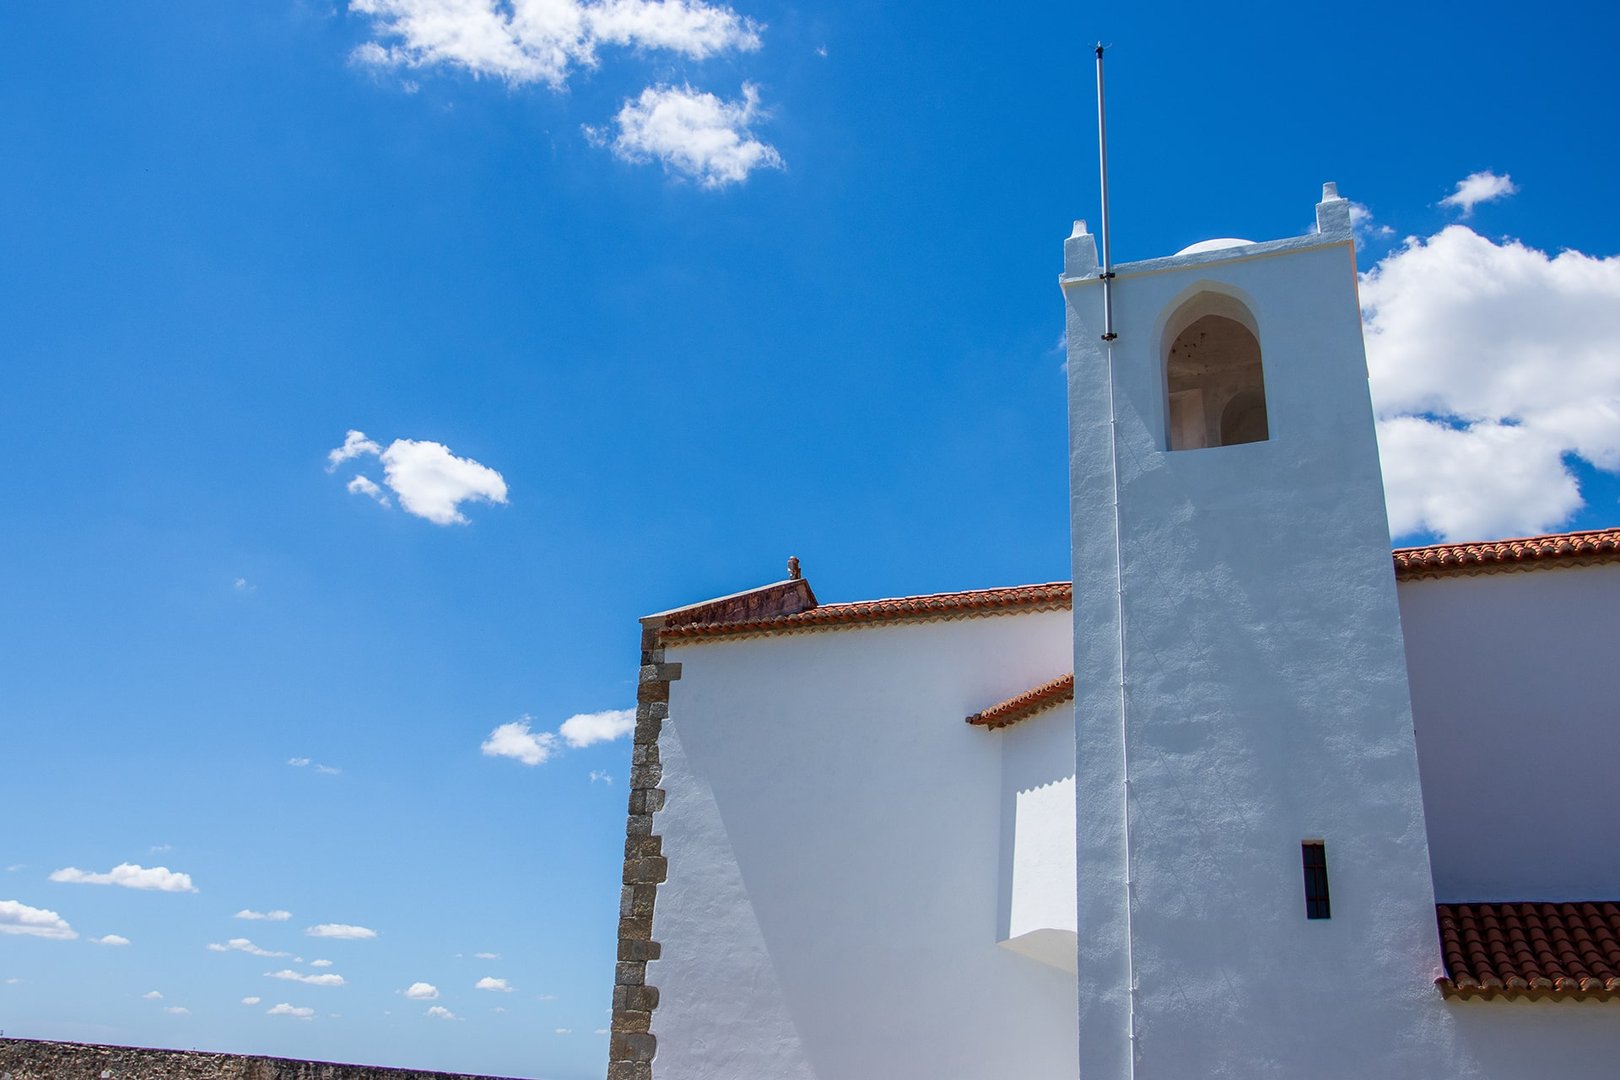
[[1333, 212], [793, 568], [1080, 253]]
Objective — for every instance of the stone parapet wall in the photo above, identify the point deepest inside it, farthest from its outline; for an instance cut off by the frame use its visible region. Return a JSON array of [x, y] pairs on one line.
[[35, 1059]]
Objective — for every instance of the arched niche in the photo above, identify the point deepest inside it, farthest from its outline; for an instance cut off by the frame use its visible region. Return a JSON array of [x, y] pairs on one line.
[[1215, 386]]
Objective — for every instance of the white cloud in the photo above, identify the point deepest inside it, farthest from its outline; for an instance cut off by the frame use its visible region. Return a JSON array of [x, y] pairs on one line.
[[342, 931], [1483, 481], [110, 939], [432, 483], [177, 1010], [439, 1012], [486, 956], [365, 485], [354, 445], [518, 740], [266, 916], [251, 1000], [1480, 187], [598, 774], [130, 876], [429, 480], [298, 762], [421, 991], [696, 30], [285, 1009], [583, 729], [320, 963], [241, 585], [289, 975], [692, 133], [152, 995], [515, 740], [1490, 365], [327, 770], [500, 986], [563, 1031], [540, 41], [1361, 221], [18, 918], [242, 944], [600, 1031]]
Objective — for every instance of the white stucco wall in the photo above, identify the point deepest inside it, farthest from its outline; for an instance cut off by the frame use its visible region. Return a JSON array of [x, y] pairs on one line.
[[834, 833], [1037, 792], [1517, 698], [1512, 1040], [1265, 703]]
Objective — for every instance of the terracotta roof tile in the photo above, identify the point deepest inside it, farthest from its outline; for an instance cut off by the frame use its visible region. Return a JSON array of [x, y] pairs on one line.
[[1499, 556], [750, 614], [1530, 950], [935, 607], [1027, 704]]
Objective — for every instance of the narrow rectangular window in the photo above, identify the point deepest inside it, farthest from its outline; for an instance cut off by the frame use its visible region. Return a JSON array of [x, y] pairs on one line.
[[1316, 882]]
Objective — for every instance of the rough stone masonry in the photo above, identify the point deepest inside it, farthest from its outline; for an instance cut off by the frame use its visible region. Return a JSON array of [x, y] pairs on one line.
[[35, 1059], [632, 1044]]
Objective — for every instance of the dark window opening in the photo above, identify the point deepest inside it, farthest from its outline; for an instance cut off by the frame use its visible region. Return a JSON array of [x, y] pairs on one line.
[[1316, 882], [1214, 379]]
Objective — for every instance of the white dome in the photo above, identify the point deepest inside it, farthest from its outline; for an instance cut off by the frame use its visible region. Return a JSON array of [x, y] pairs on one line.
[[1213, 245]]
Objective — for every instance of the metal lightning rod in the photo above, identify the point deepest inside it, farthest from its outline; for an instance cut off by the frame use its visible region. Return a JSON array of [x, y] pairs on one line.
[[1107, 250]]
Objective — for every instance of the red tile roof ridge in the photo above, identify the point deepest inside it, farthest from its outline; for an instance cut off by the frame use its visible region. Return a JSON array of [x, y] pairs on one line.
[[1038, 699], [1582, 548], [1531, 950], [929, 607]]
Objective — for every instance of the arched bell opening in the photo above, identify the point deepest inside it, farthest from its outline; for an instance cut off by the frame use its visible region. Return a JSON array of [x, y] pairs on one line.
[[1214, 380]]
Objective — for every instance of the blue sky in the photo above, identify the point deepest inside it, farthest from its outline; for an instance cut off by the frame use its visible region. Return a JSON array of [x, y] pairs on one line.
[[629, 306]]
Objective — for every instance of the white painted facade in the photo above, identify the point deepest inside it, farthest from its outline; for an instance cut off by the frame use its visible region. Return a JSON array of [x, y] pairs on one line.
[[1517, 697], [838, 837], [1037, 838], [834, 907], [860, 885]]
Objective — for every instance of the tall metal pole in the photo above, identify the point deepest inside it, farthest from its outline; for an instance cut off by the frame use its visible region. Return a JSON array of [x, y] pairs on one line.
[[1107, 250], [1119, 586]]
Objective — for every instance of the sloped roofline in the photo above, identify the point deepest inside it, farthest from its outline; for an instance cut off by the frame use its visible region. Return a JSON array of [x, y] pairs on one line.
[[1048, 695], [790, 607], [1505, 556], [933, 607]]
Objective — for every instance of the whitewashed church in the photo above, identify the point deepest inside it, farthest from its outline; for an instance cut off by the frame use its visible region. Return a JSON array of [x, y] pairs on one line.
[[1253, 797]]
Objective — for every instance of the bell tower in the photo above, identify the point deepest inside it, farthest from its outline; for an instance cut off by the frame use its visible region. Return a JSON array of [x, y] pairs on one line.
[[1253, 873]]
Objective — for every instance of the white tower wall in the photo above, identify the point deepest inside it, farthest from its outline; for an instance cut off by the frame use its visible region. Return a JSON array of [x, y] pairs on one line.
[[1265, 696]]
